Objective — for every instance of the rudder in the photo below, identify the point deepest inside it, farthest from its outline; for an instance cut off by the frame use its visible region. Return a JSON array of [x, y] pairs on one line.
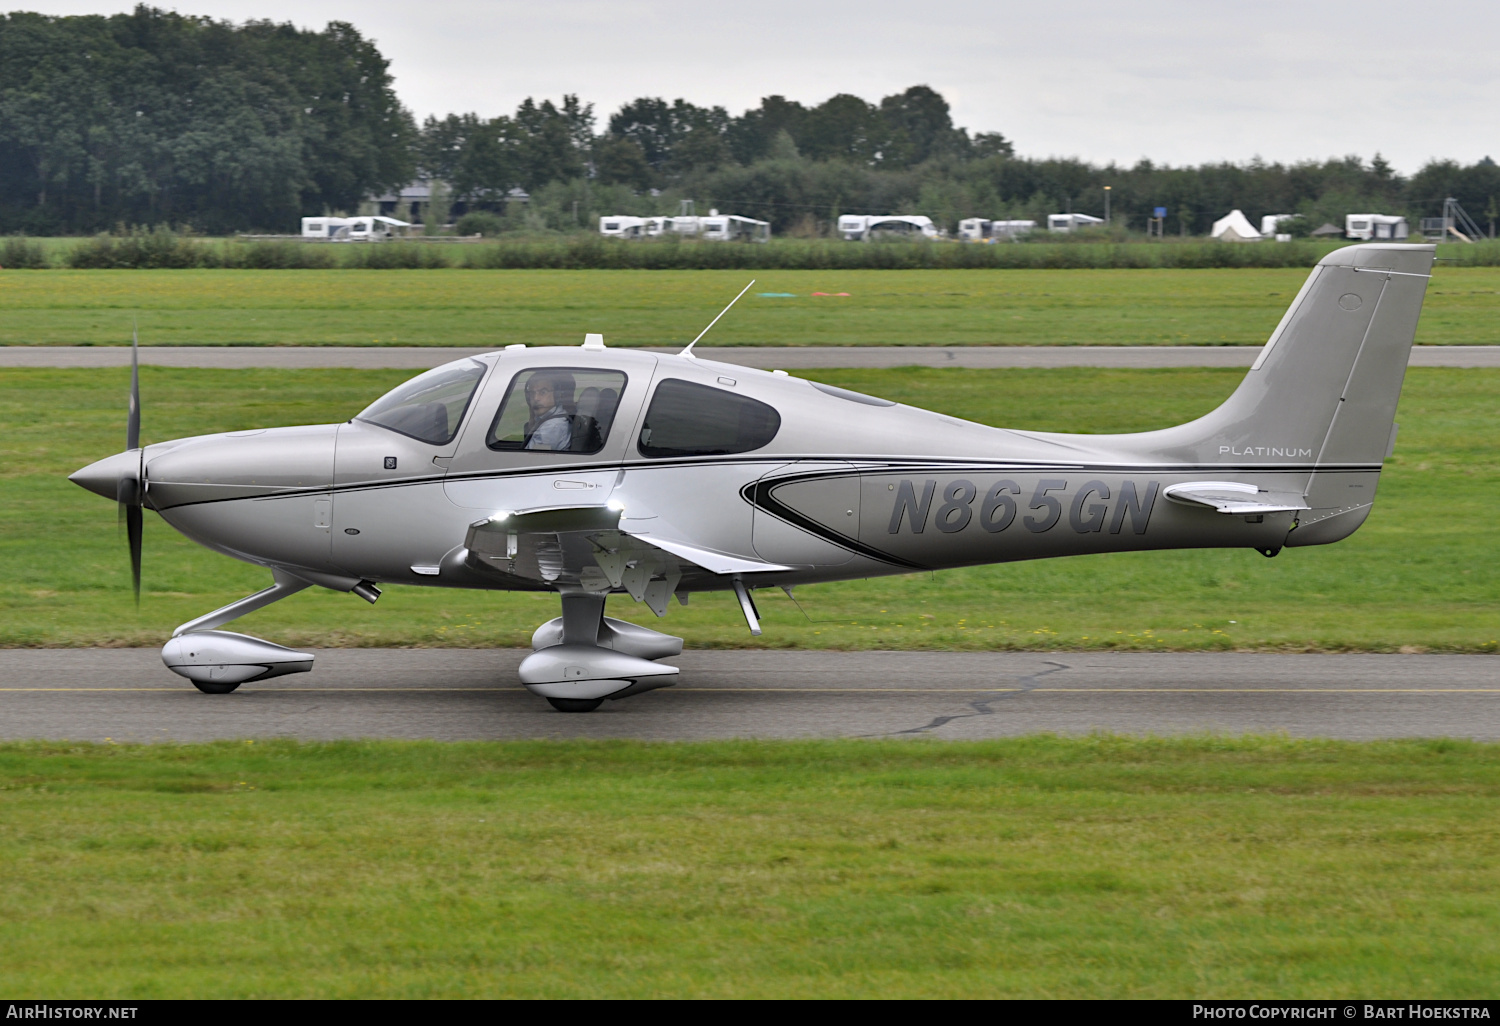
[[1324, 389]]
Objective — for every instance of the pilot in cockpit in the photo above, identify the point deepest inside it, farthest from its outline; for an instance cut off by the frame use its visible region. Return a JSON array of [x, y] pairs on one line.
[[549, 397]]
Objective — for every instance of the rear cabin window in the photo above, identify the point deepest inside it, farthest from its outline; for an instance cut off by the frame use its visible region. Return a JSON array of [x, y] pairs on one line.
[[557, 409], [688, 419]]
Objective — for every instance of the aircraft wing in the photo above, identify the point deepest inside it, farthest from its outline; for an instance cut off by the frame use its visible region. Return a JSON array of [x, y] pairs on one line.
[[1234, 497], [586, 546]]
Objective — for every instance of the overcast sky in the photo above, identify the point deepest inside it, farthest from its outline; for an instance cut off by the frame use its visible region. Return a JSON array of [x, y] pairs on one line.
[[1179, 81]]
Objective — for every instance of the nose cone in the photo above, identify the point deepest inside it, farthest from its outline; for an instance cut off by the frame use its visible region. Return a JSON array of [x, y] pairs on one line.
[[103, 478]]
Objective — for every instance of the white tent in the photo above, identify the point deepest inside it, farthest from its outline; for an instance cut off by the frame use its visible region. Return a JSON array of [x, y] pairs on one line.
[[1234, 227]]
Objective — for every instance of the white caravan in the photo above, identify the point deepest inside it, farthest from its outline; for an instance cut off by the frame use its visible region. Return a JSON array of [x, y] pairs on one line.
[[977, 229], [1071, 222], [1269, 222], [715, 227], [733, 228], [856, 227], [375, 228], [322, 227], [368, 228], [620, 226], [1375, 226]]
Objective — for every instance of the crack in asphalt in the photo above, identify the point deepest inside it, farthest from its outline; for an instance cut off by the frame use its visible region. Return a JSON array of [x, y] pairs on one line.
[[981, 706]]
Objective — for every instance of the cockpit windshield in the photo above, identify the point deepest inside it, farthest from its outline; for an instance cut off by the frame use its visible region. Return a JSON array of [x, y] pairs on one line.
[[430, 406]]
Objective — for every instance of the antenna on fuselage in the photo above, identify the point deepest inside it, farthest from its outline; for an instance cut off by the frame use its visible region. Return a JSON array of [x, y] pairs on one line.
[[688, 352]]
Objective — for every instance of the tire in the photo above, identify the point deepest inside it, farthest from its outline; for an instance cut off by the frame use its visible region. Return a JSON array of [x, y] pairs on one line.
[[214, 687], [576, 705]]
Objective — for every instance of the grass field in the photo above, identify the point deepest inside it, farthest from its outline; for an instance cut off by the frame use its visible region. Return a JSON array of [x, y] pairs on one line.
[[493, 308], [1418, 576], [1036, 867]]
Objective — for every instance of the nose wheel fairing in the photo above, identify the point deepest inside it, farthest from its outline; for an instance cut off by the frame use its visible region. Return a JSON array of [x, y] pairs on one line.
[[588, 672], [224, 660]]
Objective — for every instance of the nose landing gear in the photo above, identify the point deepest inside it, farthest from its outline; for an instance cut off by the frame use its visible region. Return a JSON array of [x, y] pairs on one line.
[[217, 662]]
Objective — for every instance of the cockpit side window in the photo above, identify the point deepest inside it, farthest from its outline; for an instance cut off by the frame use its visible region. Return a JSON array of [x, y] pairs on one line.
[[430, 406], [688, 419], [557, 409]]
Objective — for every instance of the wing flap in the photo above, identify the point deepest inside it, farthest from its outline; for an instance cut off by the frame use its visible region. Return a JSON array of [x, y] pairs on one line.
[[589, 546], [708, 559], [551, 520]]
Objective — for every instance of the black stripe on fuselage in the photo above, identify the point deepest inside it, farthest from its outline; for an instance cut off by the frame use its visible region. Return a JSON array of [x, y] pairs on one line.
[[862, 465], [758, 494]]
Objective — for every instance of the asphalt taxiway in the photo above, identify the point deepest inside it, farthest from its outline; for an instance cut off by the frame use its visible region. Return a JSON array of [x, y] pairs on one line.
[[765, 357], [127, 695]]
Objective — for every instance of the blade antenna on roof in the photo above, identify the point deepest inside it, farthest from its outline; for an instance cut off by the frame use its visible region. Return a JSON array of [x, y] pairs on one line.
[[689, 350]]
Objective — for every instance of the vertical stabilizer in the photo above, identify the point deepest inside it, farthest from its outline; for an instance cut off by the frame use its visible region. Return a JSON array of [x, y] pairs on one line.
[[1323, 392]]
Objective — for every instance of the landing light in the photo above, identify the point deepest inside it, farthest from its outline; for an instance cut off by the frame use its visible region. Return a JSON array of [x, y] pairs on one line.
[[616, 505]]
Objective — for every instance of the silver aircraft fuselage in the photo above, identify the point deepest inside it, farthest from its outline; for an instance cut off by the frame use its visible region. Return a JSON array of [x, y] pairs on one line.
[[873, 490]]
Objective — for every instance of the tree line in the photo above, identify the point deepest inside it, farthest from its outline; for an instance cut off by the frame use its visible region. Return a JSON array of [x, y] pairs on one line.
[[154, 117]]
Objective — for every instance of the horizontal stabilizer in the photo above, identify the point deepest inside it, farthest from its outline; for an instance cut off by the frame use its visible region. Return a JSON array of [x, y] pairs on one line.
[[1234, 497]]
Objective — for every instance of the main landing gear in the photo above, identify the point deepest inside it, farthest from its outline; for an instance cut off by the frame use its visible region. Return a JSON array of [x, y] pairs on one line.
[[583, 657]]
